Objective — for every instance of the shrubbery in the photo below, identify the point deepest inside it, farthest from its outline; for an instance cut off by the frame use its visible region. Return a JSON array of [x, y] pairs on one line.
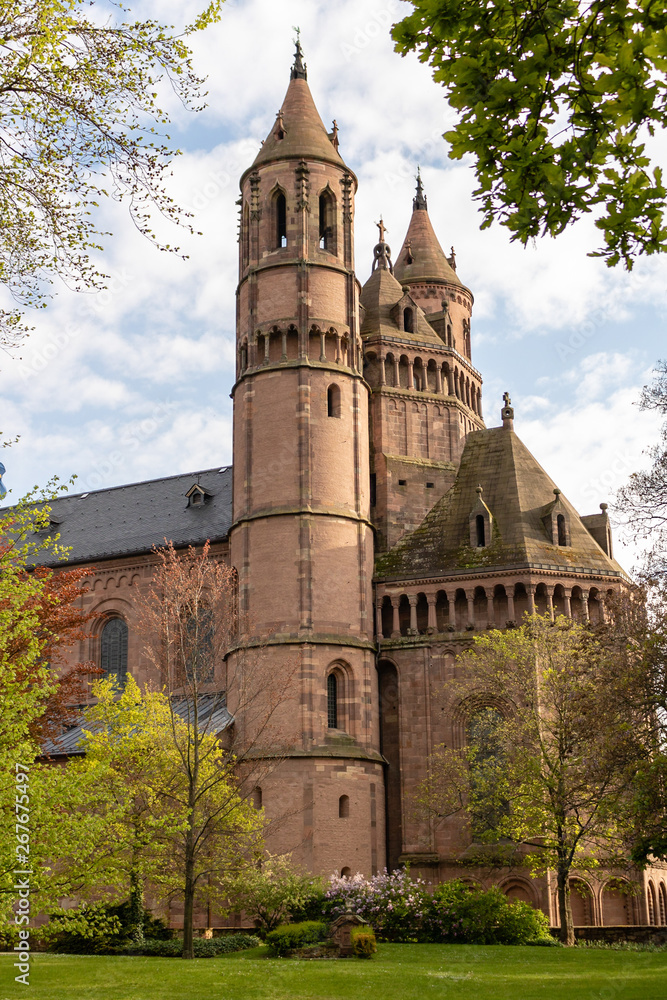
[[291, 936], [101, 928], [400, 908], [363, 941], [203, 947]]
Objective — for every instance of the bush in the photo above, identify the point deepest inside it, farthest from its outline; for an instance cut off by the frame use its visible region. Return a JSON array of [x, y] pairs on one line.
[[363, 941], [399, 908], [290, 936], [474, 916], [203, 947], [100, 928]]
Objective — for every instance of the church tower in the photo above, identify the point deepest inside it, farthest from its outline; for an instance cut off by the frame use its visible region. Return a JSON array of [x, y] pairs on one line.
[[301, 539], [426, 394]]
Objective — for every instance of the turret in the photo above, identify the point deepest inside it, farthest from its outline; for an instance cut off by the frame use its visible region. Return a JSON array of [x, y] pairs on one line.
[[302, 540]]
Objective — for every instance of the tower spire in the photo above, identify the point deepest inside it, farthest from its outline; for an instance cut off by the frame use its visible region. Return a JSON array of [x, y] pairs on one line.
[[299, 69], [419, 201]]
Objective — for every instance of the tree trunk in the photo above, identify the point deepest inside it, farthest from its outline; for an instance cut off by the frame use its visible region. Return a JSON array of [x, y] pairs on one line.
[[564, 907], [136, 906], [189, 899]]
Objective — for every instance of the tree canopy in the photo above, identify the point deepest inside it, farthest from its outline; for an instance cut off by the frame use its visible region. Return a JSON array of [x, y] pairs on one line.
[[555, 100], [82, 116], [550, 756]]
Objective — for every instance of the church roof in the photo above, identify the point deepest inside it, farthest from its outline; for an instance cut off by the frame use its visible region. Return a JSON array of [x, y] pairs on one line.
[[127, 520], [421, 258], [298, 131], [379, 297], [519, 494]]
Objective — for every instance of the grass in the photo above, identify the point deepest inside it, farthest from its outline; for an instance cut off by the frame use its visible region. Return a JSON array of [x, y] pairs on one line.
[[399, 972]]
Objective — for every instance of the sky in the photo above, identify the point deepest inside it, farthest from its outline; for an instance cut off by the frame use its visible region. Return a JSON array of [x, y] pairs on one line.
[[134, 382]]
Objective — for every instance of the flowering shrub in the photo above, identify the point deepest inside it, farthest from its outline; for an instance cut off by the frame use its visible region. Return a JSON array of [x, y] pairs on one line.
[[392, 903], [400, 908], [363, 942]]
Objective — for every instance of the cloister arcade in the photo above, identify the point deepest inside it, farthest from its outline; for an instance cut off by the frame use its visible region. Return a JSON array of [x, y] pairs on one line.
[[433, 375], [459, 609]]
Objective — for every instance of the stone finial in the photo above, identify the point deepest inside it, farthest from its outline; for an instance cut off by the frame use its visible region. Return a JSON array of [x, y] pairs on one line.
[[452, 260], [382, 251], [507, 412], [556, 493], [333, 135], [603, 507], [479, 490], [419, 200], [299, 69]]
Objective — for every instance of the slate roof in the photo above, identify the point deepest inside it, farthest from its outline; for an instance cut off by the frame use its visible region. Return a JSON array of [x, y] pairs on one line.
[[518, 493], [128, 520], [213, 718]]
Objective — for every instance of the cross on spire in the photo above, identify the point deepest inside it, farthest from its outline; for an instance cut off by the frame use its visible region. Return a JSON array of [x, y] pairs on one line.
[[382, 228], [299, 69]]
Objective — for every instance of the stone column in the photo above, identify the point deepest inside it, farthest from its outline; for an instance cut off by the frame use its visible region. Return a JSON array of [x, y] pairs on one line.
[[396, 633], [438, 380], [397, 372], [413, 614], [470, 598], [267, 347], [550, 602], [530, 590], [378, 619], [567, 594], [432, 619], [338, 356], [284, 354], [323, 346], [450, 383], [383, 373], [511, 615], [584, 605], [451, 600], [411, 374]]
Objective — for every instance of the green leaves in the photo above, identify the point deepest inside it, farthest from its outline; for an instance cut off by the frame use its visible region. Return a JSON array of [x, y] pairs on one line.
[[553, 97], [79, 109]]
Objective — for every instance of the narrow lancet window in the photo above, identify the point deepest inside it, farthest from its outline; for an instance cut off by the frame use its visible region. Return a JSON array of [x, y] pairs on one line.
[[332, 701]]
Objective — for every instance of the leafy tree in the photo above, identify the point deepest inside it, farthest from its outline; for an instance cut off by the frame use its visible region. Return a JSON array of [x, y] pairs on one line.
[[189, 620], [557, 776], [273, 890], [642, 502], [81, 114], [40, 615], [555, 101]]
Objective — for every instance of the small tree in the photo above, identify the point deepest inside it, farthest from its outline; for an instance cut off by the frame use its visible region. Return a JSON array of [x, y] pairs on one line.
[[189, 621], [272, 890], [551, 753]]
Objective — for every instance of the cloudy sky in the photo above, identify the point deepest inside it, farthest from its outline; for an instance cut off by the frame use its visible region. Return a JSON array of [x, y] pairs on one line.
[[133, 383]]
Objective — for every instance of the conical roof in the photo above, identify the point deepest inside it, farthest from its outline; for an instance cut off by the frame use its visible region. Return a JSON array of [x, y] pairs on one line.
[[298, 130], [519, 494], [421, 258]]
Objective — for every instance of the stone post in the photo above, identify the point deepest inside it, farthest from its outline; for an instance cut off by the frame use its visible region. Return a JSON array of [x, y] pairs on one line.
[[412, 598], [432, 619]]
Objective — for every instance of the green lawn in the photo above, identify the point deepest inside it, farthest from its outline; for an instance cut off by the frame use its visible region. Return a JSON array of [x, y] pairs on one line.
[[398, 972]]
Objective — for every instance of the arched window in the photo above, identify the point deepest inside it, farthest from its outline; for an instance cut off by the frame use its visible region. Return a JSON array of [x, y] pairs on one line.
[[114, 650], [562, 534], [345, 872], [332, 701], [333, 401], [280, 212], [327, 221], [481, 531], [486, 764], [344, 807], [198, 645], [408, 320]]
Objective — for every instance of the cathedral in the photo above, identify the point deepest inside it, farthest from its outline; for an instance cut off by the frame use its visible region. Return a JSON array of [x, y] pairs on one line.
[[374, 520]]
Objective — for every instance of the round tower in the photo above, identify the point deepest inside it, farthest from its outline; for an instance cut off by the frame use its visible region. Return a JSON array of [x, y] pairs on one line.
[[301, 539]]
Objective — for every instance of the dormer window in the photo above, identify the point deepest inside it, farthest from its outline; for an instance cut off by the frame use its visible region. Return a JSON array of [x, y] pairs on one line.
[[556, 520], [480, 521], [480, 529], [408, 321], [562, 533], [197, 495]]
